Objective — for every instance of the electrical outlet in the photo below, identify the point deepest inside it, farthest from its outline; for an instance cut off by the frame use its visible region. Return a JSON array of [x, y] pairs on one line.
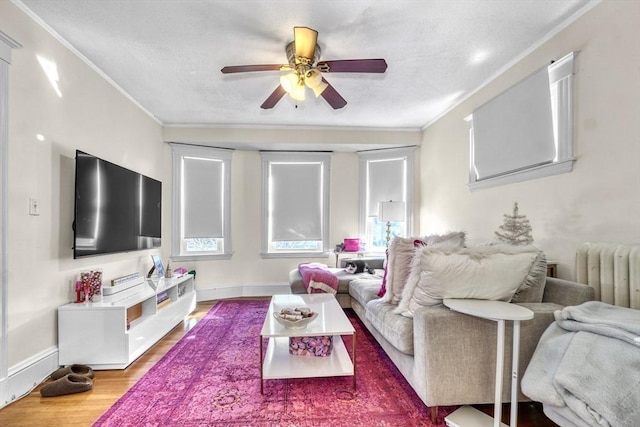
[[34, 206]]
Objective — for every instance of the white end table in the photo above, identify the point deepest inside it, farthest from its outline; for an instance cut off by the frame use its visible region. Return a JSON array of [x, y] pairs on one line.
[[498, 311]]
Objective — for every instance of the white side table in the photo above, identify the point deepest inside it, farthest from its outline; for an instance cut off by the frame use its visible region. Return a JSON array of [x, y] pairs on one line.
[[358, 254], [498, 311]]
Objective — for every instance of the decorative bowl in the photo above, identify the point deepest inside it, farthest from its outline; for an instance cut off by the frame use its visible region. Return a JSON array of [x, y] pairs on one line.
[[295, 324]]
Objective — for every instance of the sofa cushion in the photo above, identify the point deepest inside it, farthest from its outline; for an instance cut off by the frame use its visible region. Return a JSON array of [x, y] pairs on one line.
[[493, 272], [297, 285], [400, 254], [364, 290], [396, 329]]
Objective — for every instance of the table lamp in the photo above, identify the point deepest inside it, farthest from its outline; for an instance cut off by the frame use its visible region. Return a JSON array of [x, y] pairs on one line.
[[391, 212]]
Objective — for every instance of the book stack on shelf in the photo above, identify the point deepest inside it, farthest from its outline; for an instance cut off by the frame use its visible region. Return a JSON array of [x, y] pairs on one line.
[[163, 299]]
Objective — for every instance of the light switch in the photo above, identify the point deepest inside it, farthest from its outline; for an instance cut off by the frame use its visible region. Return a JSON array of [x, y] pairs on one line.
[[34, 206]]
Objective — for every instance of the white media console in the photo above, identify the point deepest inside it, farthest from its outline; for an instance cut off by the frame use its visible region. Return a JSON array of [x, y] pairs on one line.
[[112, 333]]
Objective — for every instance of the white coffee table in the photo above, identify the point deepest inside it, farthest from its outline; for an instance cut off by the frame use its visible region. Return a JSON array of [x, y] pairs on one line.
[[498, 311], [331, 321]]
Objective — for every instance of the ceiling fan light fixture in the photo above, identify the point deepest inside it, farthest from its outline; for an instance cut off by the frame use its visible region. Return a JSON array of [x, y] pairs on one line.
[[313, 80], [289, 82], [292, 84], [298, 92]]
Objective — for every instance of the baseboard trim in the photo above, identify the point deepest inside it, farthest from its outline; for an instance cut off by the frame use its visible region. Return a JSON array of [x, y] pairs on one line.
[[237, 291], [23, 377]]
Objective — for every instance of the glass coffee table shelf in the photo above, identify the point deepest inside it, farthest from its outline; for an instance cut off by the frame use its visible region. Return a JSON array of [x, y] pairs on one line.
[[278, 363]]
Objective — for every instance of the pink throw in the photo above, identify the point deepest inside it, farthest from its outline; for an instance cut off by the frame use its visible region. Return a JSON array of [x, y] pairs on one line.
[[317, 278]]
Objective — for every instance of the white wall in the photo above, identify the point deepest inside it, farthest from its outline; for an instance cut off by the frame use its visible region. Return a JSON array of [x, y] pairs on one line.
[[600, 199], [90, 115]]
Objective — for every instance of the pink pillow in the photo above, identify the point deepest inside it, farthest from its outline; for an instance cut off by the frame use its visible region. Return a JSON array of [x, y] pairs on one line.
[[383, 287]]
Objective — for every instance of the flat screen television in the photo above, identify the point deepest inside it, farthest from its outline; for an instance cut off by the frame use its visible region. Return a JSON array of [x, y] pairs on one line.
[[116, 209]]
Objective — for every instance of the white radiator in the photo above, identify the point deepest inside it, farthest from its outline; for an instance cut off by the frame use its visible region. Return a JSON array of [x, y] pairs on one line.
[[613, 270]]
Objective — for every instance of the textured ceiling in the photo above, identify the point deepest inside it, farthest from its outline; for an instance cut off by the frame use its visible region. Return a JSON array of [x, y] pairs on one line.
[[167, 54]]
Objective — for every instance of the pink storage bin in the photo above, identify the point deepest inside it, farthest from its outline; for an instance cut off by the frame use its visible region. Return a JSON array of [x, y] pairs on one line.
[[351, 245], [311, 346]]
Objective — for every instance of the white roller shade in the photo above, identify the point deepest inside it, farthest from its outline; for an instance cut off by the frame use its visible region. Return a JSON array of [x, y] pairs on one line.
[[514, 130], [386, 182], [202, 181], [296, 201]]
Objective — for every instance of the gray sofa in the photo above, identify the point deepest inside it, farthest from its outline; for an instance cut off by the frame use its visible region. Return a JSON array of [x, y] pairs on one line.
[[449, 357], [344, 278]]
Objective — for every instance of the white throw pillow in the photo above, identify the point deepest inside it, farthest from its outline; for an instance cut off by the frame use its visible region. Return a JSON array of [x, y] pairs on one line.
[[400, 254], [492, 272]]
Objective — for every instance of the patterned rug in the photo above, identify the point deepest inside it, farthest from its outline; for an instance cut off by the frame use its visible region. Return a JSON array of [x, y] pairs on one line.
[[211, 377]]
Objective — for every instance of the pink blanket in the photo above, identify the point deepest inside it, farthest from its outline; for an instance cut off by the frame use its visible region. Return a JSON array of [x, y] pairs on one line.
[[317, 278]]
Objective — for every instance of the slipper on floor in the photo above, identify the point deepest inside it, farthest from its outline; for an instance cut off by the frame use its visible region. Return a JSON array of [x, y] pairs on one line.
[[68, 384], [83, 370]]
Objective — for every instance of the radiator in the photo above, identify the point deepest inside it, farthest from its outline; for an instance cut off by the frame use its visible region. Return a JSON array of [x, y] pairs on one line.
[[613, 270]]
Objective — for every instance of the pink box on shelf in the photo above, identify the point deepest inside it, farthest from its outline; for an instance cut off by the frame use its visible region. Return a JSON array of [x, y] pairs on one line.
[[351, 245], [311, 346]]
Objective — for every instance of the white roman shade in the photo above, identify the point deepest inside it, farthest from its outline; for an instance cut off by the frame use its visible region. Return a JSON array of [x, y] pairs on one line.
[[203, 186], [514, 131], [386, 182], [296, 201]]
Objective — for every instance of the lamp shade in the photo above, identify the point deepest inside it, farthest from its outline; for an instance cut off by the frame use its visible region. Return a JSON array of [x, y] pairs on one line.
[[297, 92], [313, 80], [289, 81], [292, 84], [391, 211]]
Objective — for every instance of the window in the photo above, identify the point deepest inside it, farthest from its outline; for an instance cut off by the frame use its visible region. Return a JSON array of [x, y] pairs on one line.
[[385, 175], [295, 204], [525, 132], [201, 203]]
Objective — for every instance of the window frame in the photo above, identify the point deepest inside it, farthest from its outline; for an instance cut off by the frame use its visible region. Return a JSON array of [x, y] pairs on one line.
[[179, 152], [268, 157], [561, 76], [408, 154]]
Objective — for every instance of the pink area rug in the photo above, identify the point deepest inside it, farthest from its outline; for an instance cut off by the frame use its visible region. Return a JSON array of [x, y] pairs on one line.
[[211, 377]]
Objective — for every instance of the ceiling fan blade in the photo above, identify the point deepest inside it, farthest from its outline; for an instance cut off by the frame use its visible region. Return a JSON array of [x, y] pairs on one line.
[[273, 99], [353, 66], [247, 68], [332, 96], [305, 40]]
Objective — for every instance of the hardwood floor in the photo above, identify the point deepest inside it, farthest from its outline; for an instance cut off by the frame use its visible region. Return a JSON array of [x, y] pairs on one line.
[[82, 409]]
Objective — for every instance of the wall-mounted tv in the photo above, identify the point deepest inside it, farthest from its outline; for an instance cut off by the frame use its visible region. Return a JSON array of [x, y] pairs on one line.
[[116, 209]]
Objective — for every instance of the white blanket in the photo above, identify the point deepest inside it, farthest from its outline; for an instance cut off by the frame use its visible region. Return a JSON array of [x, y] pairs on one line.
[[586, 368], [603, 319]]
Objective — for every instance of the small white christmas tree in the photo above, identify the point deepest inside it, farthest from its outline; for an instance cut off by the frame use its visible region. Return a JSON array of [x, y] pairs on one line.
[[516, 229]]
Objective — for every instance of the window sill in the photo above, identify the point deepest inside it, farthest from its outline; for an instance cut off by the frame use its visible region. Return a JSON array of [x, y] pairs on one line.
[[271, 255], [550, 169], [208, 257]]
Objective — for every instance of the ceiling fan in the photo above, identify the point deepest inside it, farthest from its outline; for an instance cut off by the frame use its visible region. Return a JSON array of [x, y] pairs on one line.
[[304, 70]]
